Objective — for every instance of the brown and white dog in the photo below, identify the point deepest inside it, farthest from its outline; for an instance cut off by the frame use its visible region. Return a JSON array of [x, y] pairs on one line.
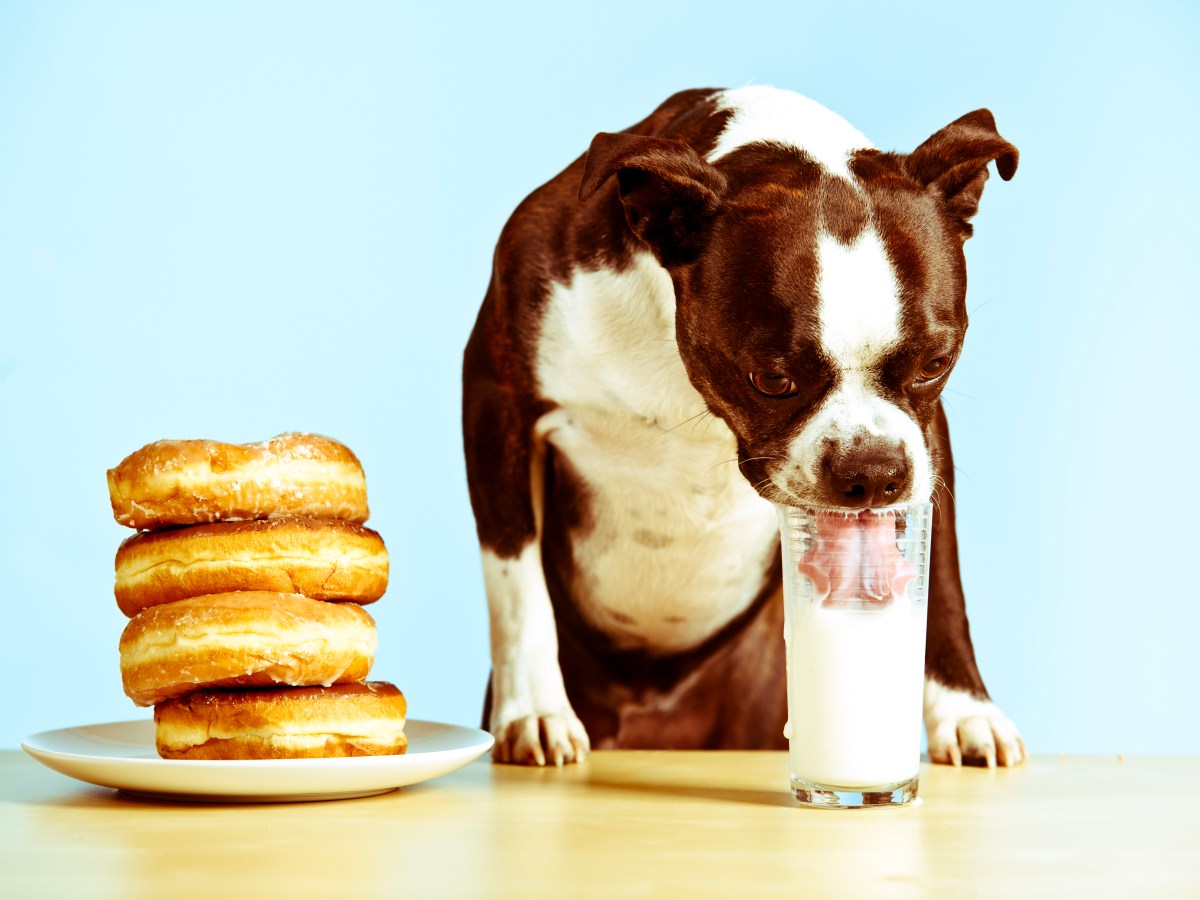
[[758, 306]]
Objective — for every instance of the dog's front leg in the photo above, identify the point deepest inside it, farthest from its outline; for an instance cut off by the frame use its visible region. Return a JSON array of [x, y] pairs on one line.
[[529, 713], [961, 722], [531, 717]]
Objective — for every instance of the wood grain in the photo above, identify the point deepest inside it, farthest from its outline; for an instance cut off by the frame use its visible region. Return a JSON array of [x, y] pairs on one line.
[[624, 824]]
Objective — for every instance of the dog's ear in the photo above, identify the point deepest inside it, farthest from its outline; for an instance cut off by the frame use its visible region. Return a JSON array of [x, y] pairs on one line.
[[667, 189], [954, 163]]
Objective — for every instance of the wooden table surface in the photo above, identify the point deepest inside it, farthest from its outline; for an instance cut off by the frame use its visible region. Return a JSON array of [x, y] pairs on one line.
[[624, 824]]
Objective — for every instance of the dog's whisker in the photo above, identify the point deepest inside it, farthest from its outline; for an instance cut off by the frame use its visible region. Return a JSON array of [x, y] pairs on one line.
[[684, 422], [708, 414], [723, 463], [740, 462], [940, 484], [763, 482], [946, 488]]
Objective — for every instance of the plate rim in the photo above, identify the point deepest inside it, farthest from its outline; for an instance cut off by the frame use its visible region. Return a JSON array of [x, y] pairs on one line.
[[481, 737], [394, 771]]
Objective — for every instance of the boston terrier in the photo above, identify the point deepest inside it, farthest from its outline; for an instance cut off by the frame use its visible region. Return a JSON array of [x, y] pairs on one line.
[[736, 301]]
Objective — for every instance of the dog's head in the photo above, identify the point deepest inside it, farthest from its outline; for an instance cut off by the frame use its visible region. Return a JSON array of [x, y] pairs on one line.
[[819, 312]]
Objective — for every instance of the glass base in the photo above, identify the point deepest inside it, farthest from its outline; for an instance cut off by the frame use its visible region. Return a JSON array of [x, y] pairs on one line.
[[827, 796]]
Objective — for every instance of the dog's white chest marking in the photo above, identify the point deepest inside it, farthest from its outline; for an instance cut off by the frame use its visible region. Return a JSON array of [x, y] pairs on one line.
[[678, 542]]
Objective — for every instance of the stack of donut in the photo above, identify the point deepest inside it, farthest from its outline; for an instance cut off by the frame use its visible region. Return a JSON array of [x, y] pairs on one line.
[[244, 586]]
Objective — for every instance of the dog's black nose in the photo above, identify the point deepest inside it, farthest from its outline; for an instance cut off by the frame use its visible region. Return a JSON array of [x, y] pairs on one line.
[[871, 476]]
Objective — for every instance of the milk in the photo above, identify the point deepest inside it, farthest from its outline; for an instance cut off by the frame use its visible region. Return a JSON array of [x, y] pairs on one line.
[[855, 683], [855, 591]]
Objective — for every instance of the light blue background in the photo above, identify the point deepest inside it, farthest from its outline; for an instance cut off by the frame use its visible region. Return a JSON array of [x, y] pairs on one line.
[[229, 220]]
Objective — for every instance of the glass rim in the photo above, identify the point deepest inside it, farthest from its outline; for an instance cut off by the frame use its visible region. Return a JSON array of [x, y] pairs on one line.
[[905, 508]]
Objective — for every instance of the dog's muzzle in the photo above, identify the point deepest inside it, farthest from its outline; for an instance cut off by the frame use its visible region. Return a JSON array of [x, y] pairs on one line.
[[869, 476]]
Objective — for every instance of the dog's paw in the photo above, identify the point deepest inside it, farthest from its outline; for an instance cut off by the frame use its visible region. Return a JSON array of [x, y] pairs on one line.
[[552, 739], [962, 728]]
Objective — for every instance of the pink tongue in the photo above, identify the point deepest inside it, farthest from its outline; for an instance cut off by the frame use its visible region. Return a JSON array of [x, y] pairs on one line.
[[855, 560]]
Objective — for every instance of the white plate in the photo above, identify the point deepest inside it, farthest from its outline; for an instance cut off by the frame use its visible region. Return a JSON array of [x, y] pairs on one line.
[[121, 755]]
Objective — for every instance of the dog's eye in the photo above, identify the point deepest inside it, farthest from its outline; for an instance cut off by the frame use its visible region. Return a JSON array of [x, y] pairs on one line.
[[773, 385], [934, 369]]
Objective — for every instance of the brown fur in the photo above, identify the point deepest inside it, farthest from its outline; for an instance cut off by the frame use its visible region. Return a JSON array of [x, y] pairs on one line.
[[737, 238]]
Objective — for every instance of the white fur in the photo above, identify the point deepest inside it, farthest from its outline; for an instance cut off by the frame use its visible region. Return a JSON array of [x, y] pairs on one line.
[[529, 698], [957, 723], [853, 410], [860, 300], [607, 342], [761, 113], [680, 542], [524, 643]]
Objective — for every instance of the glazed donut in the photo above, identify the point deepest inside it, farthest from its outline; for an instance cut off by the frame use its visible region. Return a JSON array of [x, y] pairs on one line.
[[285, 723], [243, 639], [320, 558], [191, 482]]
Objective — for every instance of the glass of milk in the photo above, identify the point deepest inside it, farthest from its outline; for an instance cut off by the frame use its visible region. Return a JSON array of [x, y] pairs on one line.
[[855, 591]]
